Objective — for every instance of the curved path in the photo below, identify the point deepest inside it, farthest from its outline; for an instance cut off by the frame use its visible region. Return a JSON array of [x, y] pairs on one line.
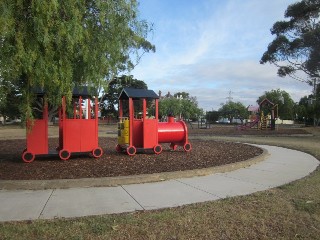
[[281, 166]]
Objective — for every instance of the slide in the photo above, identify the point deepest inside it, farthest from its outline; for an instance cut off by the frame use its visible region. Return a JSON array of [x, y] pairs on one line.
[[248, 125]]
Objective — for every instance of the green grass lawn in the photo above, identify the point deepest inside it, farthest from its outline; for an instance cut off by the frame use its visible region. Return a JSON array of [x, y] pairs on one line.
[[291, 211]]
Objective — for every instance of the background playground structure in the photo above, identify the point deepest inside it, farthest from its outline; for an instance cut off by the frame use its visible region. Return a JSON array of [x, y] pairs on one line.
[[263, 116]]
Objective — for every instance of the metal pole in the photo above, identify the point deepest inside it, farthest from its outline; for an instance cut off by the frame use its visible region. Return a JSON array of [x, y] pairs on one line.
[[314, 96]]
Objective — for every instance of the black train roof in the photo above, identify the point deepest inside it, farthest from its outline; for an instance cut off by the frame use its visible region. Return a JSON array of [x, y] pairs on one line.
[[135, 93], [82, 91]]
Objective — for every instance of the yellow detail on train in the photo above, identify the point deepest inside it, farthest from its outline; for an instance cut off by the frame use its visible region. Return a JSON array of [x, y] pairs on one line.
[[123, 131]]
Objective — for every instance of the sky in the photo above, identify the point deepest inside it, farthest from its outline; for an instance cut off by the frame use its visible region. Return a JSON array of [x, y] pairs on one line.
[[212, 48]]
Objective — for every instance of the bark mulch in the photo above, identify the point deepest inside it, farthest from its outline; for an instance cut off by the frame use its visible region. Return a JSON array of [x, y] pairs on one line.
[[203, 154]]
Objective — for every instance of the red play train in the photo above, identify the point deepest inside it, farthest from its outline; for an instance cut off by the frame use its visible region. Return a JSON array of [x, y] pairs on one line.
[[139, 130], [78, 132]]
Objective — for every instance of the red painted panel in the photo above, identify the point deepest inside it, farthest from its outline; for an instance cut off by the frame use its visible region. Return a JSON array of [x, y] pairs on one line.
[[72, 135], [37, 138], [137, 133], [150, 136], [89, 140]]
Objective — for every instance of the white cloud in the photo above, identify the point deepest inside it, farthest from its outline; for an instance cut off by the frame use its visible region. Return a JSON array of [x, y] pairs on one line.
[[208, 48]]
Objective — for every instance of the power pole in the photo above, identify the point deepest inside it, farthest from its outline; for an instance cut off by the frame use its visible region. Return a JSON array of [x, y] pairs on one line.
[[229, 97], [314, 96]]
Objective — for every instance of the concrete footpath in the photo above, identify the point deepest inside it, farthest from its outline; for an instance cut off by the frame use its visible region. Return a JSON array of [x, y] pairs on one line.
[[281, 166]]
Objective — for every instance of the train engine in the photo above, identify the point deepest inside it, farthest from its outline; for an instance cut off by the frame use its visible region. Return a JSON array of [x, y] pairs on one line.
[[139, 130]]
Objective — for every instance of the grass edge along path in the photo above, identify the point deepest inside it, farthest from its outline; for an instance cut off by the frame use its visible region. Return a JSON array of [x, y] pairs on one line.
[[291, 211]]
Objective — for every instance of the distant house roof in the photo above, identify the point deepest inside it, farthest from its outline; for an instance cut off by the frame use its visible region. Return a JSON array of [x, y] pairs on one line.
[[253, 108], [135, 93], [168, 95]]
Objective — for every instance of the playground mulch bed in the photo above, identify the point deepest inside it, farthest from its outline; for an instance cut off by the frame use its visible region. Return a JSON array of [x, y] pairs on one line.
[[203, 154]]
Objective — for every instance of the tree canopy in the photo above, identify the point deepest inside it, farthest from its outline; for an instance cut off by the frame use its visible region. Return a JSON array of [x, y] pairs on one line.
[[59, 44], [10, 100], [232, 110], [284, 101], [296, 46], [115, 86], [308, 109], [181, 104]]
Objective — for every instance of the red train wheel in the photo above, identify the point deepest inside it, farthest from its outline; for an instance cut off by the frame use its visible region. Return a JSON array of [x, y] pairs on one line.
[[157, 149], [131, 150], [187, 147], [97, 152], [64, 154], [28, 157]]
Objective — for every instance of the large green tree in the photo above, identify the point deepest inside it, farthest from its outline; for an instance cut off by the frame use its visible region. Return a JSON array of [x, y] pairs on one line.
[[296, 46], [181, 104], [308, 108], [304, 111], [110, 98], [283, 100], [10, 99], [233, 110], [62, 43], [212, 116]]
